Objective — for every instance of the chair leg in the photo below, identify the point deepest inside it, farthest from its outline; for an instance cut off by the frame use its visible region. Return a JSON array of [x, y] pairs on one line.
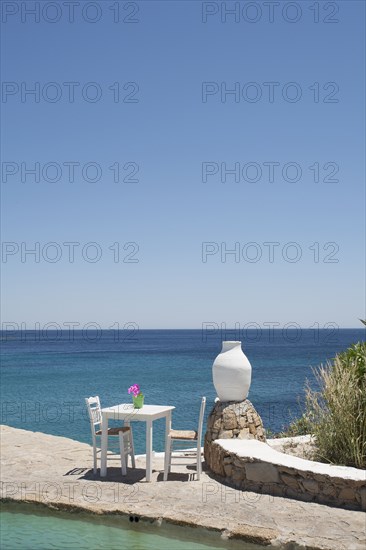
[[123, 453], [167, 459], [199, 463], [170, 455], [94, 458], [132, 453], [198, 468]]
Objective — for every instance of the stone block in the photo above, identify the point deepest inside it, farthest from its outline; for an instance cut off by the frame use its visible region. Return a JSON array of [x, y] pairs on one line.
[[235, 407], [244, 433], [329, 490], [228, 469], [360, 483], [276, 490], [252, 487], [226, 434], [322, 478], [324, 499], [242, 422], [290, 481], [237, 475], [347, 493], [286, 470], [310, 486], [229, 419], [252, 428], [362, 493], [262, 472], [238, 462]]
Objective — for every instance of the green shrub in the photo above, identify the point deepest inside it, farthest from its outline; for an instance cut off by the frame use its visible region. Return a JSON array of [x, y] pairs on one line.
[[299, 426], [337, 411]]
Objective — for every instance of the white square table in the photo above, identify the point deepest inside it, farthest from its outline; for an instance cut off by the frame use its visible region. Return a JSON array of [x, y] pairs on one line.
[[127, 413]]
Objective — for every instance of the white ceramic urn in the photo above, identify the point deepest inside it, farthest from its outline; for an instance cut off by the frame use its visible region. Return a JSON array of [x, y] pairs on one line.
[[232, 373]]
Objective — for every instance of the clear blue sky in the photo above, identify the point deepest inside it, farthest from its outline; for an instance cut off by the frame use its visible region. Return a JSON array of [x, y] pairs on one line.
[[169, 52]]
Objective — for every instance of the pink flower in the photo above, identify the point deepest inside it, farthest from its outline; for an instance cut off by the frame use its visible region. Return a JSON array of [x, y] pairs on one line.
[[134, 389]]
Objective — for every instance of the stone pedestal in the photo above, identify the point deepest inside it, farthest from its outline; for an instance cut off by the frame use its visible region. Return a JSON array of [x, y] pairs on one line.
[[230, 420]]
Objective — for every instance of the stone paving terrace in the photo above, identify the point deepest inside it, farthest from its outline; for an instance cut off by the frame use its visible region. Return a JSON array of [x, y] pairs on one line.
[[57, 472]]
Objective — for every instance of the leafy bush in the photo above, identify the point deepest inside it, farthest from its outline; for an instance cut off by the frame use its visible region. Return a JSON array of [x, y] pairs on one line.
[[299, 426], [355, 358], [337, 411]]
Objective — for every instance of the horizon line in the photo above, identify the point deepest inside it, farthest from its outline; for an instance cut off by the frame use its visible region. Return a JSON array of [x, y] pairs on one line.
[[216, 331]]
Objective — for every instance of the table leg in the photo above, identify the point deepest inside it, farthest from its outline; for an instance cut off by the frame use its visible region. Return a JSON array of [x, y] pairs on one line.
[[168, 426], [149, 433], [104, 446]]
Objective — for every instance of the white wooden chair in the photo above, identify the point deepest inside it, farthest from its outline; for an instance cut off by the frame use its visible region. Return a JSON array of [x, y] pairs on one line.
[[124, 433], [186, 435]]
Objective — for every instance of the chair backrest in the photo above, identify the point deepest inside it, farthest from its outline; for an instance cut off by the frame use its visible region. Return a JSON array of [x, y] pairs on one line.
[[94, 411], [200, 421]]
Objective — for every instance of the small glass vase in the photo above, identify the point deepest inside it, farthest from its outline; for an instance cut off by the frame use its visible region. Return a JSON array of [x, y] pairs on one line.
[[138, 401]]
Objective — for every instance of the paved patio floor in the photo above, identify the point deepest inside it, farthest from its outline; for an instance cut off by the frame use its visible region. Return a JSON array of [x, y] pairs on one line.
[[57, 472]]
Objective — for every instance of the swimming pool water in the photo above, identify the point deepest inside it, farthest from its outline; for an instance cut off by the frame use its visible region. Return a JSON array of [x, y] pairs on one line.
[[28, 527]]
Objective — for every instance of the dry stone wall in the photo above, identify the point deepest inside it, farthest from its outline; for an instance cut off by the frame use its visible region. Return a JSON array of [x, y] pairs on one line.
[[262, 476]]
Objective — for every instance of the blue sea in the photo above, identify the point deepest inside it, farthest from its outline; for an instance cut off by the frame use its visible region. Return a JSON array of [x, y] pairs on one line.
[[45, 375]]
